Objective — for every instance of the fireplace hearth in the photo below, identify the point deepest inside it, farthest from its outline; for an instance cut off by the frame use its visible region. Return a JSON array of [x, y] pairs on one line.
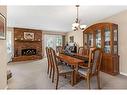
[[28, 52]]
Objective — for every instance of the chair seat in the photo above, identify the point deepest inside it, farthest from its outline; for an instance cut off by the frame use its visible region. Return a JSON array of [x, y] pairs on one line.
[[59, 63], [83, 71], [64, 69]]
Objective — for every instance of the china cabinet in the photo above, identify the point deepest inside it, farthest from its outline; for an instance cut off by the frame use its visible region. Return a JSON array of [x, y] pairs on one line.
[[104, 36]]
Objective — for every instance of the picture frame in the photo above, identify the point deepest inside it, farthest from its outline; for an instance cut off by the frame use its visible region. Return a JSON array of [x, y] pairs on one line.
[[2, 27], [28, 36], [71, 39]]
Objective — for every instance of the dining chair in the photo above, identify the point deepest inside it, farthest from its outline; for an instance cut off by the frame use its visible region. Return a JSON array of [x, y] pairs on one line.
[[93, 68], [80, 50], [86, 54], [59, 49], [50, 66], [47, 59], [90, 52], [60, 69]]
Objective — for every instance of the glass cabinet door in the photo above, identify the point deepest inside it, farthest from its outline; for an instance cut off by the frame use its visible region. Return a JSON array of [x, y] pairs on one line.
[[90, 40], [115, 42], [85, 40], [107, 34], [98, 38]]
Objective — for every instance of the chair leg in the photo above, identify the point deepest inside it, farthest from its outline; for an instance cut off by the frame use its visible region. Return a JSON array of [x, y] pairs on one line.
[[72, 78], [48, 69], [53, 75], [88, 81], [57, 80], [98, 81], [50, 72]]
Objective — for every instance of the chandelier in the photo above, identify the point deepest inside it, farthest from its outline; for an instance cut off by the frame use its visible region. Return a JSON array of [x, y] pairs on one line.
[[76, 25]]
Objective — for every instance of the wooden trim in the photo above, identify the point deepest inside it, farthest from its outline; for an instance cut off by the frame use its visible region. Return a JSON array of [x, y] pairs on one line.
[[122, 73]]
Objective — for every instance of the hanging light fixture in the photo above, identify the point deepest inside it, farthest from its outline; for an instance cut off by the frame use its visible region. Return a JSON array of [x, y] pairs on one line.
[[76, 25]]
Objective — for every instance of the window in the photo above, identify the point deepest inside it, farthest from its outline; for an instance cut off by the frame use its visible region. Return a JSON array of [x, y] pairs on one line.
[[53, 41], [58, 40]]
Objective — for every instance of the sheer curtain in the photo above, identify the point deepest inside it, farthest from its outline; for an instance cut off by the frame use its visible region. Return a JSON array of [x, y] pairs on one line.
[[52, 41]]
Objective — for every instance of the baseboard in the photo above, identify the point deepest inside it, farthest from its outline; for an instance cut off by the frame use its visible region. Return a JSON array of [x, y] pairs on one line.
[[125, 74], [6, 87]]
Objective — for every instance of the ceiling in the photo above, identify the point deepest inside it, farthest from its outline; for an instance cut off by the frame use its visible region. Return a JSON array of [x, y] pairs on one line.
[[57, 18]]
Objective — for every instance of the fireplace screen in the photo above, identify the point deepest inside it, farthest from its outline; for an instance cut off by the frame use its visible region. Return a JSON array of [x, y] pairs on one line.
[[28, 52]]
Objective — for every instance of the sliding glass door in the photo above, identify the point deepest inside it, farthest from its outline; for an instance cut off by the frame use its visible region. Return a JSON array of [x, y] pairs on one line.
[[52, 41]]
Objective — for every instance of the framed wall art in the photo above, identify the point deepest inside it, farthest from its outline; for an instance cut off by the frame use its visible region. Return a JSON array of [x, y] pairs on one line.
[[2, 27], [28, 36], [71, 39]]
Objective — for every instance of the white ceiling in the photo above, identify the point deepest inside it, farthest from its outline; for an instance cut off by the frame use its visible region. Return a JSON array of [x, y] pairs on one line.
[[57, 18]]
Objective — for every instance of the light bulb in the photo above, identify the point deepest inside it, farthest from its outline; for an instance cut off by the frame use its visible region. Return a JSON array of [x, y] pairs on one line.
[[83, 27]]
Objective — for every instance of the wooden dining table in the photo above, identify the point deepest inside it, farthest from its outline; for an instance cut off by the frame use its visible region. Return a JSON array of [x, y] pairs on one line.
[[74, 62]]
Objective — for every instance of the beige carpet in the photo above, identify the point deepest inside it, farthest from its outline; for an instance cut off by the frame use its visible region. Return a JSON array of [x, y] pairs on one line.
[[33, 75]]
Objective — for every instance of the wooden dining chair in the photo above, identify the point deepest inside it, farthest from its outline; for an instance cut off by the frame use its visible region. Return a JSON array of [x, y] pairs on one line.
[[90, 52], [93, 68], [60, 69], [47, 50], [50, 65], [83, 51], [80, 50], [59, 49]]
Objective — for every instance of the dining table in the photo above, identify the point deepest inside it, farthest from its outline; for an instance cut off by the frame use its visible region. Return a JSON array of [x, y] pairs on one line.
[[74, 61]]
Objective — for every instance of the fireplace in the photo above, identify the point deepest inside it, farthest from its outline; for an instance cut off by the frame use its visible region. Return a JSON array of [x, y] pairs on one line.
[[28, 52]]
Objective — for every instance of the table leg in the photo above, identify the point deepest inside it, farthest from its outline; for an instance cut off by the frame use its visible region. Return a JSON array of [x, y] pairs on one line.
[[75, 73], [72, 79]]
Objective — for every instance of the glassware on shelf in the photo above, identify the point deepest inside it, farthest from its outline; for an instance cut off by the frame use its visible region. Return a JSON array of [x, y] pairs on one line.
[[107, 49], [107, 40], [115, 49], [90, 40], [98, 38]]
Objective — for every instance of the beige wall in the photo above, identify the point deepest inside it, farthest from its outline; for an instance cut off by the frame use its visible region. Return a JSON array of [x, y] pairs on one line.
[[121, 20], [3, 54], [78, 37]]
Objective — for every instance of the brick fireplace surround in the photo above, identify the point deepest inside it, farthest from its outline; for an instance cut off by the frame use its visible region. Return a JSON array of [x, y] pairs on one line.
[[32, 47]]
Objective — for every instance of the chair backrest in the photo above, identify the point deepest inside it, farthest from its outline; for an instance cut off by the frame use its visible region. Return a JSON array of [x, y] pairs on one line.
[[90, 54], [86, 52], [95, 63], [47, 53], [59, 49], [54, 59], [80, 50]]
